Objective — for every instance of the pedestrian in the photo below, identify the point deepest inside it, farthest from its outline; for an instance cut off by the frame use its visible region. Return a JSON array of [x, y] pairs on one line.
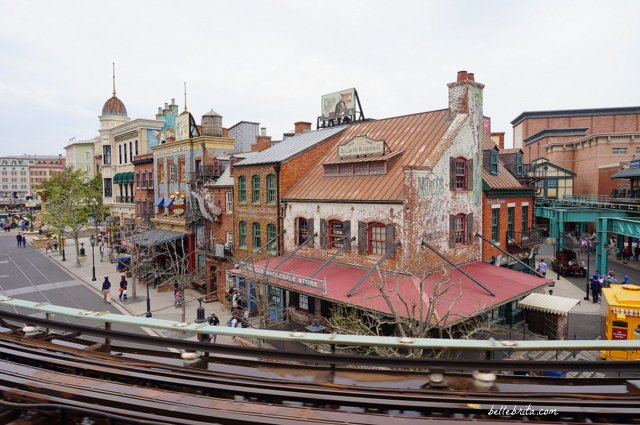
[[55, 243], [610, 279], [49, 246], [636, 252], [178, 297], [595, 289], [627, 253], [19, 239], [542, 268], [106, 290], [213, 321], [123, 289], [626, 280], [24, 241], [101, 249], [156, 278]]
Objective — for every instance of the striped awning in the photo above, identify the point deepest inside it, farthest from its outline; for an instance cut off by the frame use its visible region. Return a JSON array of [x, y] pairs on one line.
[[159, 202], [548, 303], [626, 311]]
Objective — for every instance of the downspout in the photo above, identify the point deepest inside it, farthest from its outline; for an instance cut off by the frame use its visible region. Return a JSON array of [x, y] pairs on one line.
[[276, 168]]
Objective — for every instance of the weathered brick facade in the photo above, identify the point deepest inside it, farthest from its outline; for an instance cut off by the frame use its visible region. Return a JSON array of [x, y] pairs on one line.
[[502, 204]]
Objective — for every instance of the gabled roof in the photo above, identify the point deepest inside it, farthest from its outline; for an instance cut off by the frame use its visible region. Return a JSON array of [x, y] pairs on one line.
[[627, 173], [503, 180], [291, 147], [226, 179], [510, 151], [488, 144], [417, 135]]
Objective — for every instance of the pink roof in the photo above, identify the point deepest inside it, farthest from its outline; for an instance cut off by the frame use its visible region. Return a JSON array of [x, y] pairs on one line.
[[458, 295]]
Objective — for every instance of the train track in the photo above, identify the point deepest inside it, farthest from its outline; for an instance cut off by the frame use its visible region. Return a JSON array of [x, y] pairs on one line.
[[50, 383]]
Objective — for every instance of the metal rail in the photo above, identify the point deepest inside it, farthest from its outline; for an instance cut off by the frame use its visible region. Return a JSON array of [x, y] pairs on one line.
[[490, 242]]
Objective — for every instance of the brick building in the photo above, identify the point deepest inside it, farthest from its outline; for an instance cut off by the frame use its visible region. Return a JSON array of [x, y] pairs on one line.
[[398, 194], [143, 186], [260, 181], [589, 142]]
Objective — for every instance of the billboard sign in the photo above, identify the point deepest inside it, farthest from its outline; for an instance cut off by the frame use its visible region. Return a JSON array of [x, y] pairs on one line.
[[182, 127], [339, 104], [361, 145]]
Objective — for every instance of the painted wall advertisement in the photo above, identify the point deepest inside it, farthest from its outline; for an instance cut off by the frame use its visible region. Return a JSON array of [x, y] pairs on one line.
[[339, 104]]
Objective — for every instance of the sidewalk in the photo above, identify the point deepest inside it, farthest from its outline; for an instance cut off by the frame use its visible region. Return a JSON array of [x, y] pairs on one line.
[[161, 300]]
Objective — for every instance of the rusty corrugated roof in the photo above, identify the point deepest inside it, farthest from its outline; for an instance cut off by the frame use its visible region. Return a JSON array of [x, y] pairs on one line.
[[510, 150], [503, 180], [415, 134], [487, 143]]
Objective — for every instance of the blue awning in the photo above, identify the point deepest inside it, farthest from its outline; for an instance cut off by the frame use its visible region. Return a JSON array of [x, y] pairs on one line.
[[168, 202], [159, 202]]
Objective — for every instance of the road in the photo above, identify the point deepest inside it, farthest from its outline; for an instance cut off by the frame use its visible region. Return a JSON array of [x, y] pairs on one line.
[[27, 274]]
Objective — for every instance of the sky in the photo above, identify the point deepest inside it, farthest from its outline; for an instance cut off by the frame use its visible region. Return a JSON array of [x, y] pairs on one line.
[[271, 61]]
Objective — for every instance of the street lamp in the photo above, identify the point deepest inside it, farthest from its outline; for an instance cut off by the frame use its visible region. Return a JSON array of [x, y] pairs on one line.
[[31, 205], [146, 267], [92, 239], [588, 275], [62, 242]]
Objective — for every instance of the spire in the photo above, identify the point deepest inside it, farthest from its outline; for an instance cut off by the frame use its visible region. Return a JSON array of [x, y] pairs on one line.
[[185, 96], [113, 64]]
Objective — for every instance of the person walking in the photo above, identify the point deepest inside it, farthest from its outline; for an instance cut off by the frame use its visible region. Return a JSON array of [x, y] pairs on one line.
[[626, 280], [213, 321], [19, 239], [49, 246], [106, 290], [156, 278], [123, 289], [55, 243], [542, 268], [596, 288], [24, 241], [636, 252]]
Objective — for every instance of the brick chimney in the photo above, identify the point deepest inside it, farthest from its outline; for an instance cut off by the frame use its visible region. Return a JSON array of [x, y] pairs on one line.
[[302, 126], [498, 137], [262, 143], [465, 95], [232, 162]]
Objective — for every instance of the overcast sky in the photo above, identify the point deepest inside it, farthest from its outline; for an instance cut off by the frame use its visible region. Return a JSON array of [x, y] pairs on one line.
[[270, 61]]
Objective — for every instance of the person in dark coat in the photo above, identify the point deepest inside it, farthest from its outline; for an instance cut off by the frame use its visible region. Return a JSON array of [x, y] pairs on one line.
[[106, 290], [19, 239], [123, 289]]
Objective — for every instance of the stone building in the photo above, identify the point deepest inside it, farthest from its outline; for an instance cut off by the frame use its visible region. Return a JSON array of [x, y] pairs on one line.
[[385, 198], [589, 142], [21, 176]]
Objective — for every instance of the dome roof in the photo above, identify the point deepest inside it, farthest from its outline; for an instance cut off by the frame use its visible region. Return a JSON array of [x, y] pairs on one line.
[[212, 113], [114, 106]]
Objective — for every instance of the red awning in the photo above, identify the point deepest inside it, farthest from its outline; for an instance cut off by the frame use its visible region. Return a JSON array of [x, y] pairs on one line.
[[456, 297]]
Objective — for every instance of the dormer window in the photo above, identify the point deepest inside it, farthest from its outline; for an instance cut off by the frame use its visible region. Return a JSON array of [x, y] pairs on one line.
[[494, 162], [519, 165]]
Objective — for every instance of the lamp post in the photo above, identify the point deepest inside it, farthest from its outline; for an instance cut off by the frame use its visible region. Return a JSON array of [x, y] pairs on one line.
[[31, 205], [62, 242], [146, 262], [586, 297], [92, 239]]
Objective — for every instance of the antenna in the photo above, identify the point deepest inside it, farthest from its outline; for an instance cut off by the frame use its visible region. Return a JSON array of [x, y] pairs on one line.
[[185, 96], [113, 64]]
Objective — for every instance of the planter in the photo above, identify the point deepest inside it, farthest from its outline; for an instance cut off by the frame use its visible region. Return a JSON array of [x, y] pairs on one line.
[[82, 258]]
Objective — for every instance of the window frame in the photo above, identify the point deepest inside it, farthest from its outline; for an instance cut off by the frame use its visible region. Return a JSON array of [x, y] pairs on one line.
[[242, 234], [525, 219], [511, 225], [182, 175], [335, 237], [271, 233], [271, 188], [493, 162], [495, 225], [256, 234], [460, 223], [460, 162], [229, 201], [255, 189], [303, 305], [242, 189], [519, 165], [301, 229], [379, 244]]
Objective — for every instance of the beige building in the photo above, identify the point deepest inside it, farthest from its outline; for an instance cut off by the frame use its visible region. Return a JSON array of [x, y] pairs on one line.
[[80, 155]]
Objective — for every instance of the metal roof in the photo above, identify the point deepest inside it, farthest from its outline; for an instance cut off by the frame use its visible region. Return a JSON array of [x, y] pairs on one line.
[[291, 146], [416, 135], [155, 237], [226, 179], [548, 303], [503, 180], [627, 173]]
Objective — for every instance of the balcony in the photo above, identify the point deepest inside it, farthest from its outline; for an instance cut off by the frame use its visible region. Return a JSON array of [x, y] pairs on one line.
[[206, 173], [124, 199], [524, 239], [216, 250], [625, 194]]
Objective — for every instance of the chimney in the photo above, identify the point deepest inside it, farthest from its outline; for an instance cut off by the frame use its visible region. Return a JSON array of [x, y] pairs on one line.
[[302, 126], [232, 162], [166, 105], [465, 96], [173, 101], [263, 131], [498, 137], [262, 143]]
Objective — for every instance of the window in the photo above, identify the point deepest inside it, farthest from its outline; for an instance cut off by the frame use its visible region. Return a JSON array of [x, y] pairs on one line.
[[229, 199], [108, 189], [460, 231], [257, 240], [242, 230], [330, 170], [150, 179], [377, 239], [336, 234], [181, 171], [119, 154], [271, 233], [271, 189], [525, 218], [638, 150], [125, 153], [136, 142], [511, 211], [303, 302], [161, 172], [495, 225], [130, 151], [255, 189], [519, 165], [494, 163], [138, 179], [460, 172], [172, 171], [357, 169], [242, 189], [87, 155], [619, 151], [303, 231]]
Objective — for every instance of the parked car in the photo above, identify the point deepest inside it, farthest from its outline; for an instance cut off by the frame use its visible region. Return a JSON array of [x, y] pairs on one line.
[[568, 264]]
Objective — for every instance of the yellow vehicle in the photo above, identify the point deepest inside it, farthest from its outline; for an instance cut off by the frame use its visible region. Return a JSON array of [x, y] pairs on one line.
[[623, 318]]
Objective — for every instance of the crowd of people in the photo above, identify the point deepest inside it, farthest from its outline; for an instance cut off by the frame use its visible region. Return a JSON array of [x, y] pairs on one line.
[[600, 281]]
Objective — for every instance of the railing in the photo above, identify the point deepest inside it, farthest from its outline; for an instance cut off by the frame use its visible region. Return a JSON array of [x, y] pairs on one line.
[[586, 198], [522, 239], [206, 172], [626, 193], [213, 249], [124, 199]]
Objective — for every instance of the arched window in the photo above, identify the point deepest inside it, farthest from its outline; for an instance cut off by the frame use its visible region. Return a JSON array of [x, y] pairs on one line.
[[242, 228], [255, 189], [271, 233], [257, 240], [377, 240], [242, 189], [271, 189]]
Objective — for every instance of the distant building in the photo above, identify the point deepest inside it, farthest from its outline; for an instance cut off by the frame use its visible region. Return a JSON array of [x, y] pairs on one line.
[[591, 143], [21, 176], [245, 133], [80, 155]]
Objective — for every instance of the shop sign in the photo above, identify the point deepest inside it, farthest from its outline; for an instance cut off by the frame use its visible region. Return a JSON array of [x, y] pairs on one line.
[[339, 104], [293, 278], [361, 145], [618, 333]]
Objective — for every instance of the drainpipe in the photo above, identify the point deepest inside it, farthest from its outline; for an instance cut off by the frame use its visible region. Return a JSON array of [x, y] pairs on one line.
[[276, 168]]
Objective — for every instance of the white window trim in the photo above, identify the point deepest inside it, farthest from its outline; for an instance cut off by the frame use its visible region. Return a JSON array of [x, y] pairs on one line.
[[525, 204], [511, 205], [495, 206]]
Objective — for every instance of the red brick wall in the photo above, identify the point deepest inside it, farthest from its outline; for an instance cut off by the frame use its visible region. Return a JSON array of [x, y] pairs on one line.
[[487, 250], [594, 124], [139, 193]]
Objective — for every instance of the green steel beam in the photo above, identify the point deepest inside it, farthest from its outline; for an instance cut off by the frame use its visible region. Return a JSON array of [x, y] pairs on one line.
[[320, 338], [618, 225]]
